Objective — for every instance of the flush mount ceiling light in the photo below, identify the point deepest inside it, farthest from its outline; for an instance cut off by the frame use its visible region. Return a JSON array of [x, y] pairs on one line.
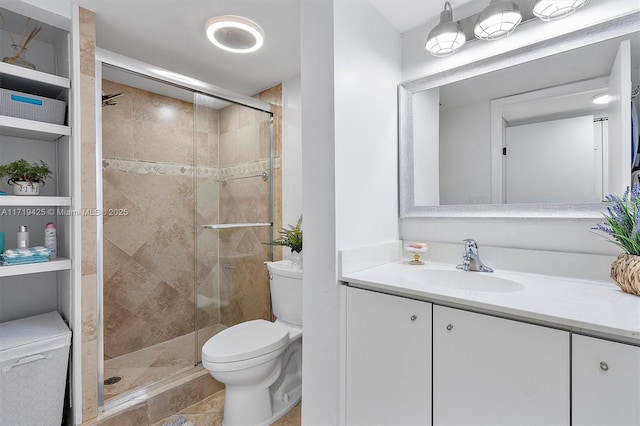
[[550, 10], [235, 33], [497, 20], [447, 37], [600, 99]]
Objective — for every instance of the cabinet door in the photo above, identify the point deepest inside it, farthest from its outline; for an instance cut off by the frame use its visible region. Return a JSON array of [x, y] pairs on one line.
[[388, 365], [606, 382], [492, 371]]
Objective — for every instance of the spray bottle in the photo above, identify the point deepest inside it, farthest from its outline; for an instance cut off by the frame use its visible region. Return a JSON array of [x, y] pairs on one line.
[[50, 240]]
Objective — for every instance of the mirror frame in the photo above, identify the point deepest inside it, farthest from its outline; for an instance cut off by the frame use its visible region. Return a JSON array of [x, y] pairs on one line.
[[617, 27]]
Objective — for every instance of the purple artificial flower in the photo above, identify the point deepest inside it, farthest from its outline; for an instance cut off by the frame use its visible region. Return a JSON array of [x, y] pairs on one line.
[[604, 228]]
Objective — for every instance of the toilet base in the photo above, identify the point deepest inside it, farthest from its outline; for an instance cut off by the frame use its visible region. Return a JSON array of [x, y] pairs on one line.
[[282, 407], [267, 407]]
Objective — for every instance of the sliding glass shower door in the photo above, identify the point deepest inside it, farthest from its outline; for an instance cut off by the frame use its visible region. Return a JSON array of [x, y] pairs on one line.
[[233, 214], [194, 175]]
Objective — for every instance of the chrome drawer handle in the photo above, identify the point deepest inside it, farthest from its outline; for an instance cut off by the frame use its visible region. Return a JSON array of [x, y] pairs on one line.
[[450, 327], [413, 318], [604, 366]]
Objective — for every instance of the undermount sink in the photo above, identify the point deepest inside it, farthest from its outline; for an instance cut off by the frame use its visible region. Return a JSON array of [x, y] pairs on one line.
[[462, 280]]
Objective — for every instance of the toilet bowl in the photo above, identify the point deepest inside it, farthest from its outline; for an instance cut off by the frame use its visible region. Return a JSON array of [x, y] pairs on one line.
[[260, 362]]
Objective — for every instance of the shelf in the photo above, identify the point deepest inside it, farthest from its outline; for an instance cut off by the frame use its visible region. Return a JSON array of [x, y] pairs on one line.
[[32, 81], [29, 129], [58, 264], [33, 201], [235, 225]]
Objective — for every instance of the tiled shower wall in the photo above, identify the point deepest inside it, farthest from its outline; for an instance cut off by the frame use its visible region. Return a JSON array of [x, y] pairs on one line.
[[147, 148]]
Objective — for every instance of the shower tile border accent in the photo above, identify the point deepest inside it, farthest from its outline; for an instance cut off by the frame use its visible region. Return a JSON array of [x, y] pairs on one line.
[[245, 168], [172, 169]]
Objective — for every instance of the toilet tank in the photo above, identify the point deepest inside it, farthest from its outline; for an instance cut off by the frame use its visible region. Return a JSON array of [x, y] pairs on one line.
[[286, 291]]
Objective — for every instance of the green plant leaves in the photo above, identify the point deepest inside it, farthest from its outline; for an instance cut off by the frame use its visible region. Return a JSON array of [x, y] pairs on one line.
[[24, 171]]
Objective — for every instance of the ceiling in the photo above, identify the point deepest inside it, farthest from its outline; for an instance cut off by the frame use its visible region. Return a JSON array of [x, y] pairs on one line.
[[170, 34]]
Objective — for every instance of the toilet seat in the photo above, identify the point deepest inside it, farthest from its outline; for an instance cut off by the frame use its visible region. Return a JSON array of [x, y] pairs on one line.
[[245, 341]]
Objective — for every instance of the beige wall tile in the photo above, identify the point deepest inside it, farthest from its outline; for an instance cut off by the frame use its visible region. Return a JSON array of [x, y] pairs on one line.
[[89, 379], [182, 397], [87, 42], [89, 310]]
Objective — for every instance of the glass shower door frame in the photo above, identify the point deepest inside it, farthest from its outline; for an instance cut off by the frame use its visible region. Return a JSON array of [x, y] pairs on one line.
[[162, 75]]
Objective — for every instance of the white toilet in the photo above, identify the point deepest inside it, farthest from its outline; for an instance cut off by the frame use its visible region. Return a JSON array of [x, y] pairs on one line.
[[260, 362]]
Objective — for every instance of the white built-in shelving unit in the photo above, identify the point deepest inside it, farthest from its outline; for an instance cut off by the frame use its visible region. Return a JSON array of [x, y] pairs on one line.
[[37, 288], [36, 140]]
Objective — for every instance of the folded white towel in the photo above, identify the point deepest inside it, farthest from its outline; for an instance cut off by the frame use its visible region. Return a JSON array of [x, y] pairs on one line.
[[31, 251]]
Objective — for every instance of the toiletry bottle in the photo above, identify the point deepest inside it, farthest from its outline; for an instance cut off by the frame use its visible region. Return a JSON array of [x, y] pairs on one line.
[[23, 237], [50, 240]]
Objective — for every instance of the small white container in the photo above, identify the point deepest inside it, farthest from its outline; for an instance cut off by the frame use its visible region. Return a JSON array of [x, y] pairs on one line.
[[23, 237], [26, 188], [34, 353]]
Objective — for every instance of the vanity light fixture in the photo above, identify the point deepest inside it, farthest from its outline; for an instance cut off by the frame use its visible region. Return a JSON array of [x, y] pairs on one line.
[[550, 10], [497, 20], [235, 33], [447, 37], [601, 99]]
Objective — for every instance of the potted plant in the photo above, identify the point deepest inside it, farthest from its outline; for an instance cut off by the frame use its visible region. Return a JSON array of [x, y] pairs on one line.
[[291, 238], [25, 177], [623, 229]]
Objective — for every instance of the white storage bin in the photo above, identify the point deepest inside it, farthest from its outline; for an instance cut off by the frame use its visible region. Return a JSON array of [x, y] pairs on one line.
[[34, 354], [31, 107]]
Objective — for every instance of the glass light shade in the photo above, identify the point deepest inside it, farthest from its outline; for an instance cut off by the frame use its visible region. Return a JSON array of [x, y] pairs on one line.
[[445, 39], [601, 99], [550, 10], [235, 33], [497, 20]]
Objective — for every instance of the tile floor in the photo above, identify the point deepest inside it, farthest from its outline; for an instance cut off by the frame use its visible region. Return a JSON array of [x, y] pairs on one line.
[[208, 412], [157, 362]]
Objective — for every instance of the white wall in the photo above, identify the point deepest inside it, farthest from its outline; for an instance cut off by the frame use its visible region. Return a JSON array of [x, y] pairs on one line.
[[350, 66], [465, 154], [426, 147], [38, 9], [545, 234], [367, 70], [291, 153]]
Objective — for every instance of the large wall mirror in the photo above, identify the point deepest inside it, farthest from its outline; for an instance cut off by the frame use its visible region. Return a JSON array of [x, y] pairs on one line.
[[519, 134]]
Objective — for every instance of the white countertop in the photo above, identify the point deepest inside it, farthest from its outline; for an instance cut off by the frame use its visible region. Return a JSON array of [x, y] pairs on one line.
[[592, 307]]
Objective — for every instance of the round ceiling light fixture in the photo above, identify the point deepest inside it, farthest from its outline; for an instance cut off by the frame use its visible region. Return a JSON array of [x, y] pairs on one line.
[[550, 10], [601, 99], [235, 33]]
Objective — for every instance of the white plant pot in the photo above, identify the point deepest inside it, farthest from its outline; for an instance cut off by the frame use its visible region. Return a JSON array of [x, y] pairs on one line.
[[296, 260], [26, 188]]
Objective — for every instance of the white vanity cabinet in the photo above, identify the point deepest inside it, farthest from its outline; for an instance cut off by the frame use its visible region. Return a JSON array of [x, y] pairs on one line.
[[493, 371], [606, 382], [388, 359]]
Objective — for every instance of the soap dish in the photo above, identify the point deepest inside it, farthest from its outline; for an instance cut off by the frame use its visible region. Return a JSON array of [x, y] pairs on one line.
[[416, 249]]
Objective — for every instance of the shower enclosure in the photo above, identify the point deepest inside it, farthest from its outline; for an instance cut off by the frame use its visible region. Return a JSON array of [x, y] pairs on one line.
[[187, 184]]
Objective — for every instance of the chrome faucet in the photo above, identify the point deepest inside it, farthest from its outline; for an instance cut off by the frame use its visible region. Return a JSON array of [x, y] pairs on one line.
[[471, 258]]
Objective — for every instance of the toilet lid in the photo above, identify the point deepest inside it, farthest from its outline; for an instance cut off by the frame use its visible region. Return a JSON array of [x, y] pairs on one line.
[[246, 340]]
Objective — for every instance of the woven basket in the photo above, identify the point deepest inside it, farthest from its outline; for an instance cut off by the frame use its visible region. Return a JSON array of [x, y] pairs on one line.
[[625, 271]]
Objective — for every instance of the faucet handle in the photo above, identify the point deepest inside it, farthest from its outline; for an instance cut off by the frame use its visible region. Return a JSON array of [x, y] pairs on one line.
[[470, 245]]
